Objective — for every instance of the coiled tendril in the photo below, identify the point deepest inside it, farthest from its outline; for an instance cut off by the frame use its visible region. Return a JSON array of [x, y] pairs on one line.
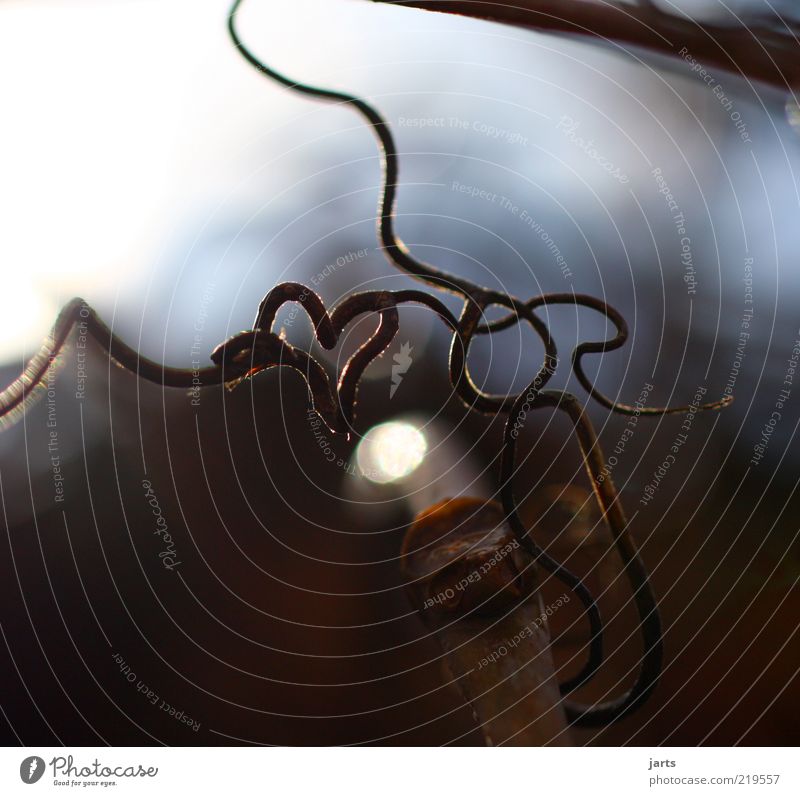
[[261, 348]]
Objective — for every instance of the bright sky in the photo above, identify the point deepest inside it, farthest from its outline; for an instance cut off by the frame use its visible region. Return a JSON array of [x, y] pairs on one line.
[[119, 119]]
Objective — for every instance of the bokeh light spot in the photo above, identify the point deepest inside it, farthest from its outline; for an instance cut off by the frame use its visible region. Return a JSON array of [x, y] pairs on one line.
[[391, 451]]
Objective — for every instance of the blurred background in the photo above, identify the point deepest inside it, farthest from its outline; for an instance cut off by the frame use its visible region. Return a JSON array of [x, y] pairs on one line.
[[147, 168]]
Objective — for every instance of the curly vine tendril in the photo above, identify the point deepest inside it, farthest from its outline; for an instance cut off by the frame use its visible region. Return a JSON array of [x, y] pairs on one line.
[[476, 300], [247, 353]]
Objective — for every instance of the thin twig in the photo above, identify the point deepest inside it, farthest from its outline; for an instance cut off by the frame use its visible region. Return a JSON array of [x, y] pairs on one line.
[[247, 353], [770, 54]]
